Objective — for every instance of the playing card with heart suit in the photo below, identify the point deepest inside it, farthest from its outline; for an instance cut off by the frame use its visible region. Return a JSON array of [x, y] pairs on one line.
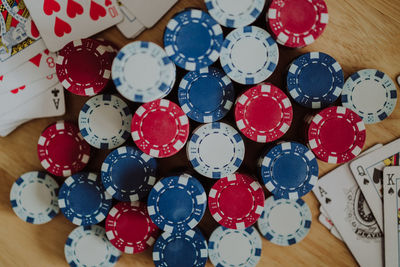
[[63, 21]]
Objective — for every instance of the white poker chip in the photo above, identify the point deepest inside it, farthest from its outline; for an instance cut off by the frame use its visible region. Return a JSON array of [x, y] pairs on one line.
[[142, 72], [235, 13], [249, 55], [216, 150], [105, 121], [89, 246], [34, 198], [229, 247]]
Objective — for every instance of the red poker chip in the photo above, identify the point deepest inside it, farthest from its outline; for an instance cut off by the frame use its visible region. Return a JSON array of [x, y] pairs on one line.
[[84, 67], [236, 201], [62, 150], [336, 135], [263, 113], [129, 227], [297, 23], [160, 128]]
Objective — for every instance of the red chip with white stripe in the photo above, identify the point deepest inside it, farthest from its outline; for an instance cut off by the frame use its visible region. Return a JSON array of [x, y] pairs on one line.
[[297, 23], [263, 113], [62, 150], [129, 227], [236, 201], [160, 128], [336, 135]]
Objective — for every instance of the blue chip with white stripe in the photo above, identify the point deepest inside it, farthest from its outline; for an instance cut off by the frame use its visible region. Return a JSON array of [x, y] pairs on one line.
[[105, 121], [215, 150], [289, 170], [235, 13], [285, 222], [185, 249], [206, 95], [177, 203], [249, 55], [142, 72], [232, 248], [128, 174], [83, 199], [89, 246], [315, 80], [371, 94], [193, 39], [33, 197]]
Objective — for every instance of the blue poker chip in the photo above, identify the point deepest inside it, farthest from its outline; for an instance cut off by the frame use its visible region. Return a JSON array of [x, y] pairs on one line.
[[232, 248], [128, 174], [177, 203], [289, 170], [33, 197], [206, 95], [185, 249], [83, 199], [284, 222], [89, 246], [193, 39], [315, 80]]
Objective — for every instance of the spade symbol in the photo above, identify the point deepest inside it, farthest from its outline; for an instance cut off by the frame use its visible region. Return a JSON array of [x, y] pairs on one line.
[[391, 191], [366, 182], [327, 200]]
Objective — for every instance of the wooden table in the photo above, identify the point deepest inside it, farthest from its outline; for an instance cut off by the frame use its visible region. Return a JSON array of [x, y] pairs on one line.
[[360, 34]]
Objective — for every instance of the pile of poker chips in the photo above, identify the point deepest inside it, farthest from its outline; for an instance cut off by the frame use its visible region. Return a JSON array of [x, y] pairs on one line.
[[126, 197]]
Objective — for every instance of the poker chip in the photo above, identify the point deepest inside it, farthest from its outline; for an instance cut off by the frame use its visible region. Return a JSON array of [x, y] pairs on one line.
[[128, 174], [215, 150], [263, 113], [228, 247], [89, 246], [62, 151], [105, 121], [297, 23], [206, 95], [177, 203], [315, 80], [193, 39], [285, 222], [83, 199], [33, 197], [129, 227], [84, 67], [236, 201], [336, 135], [160, 128], [142, 72], [181, 249], [235, 13], [289, 170], [371, 94], [249, 55]]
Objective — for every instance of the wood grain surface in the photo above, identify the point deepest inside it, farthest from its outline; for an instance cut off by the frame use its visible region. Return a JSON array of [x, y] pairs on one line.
[[360, 34]]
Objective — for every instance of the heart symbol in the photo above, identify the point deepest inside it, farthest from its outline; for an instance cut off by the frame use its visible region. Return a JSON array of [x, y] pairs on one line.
[[34, 30], [96, 10], [391, 191], [1, 78], [327, 200], [16, 90], [108, 2], [73, 9], [61, 27], [366, 182], [36, 60], [50, 6], [47, 51]]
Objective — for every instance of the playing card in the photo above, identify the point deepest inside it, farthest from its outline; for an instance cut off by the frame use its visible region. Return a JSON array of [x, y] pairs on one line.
[[6, 129], [325, 221], [367, 171], [20, 38], [62, 21], [38, 67], [342, 199], [335, 233], [130, 26], [148, 12], [391, 200]]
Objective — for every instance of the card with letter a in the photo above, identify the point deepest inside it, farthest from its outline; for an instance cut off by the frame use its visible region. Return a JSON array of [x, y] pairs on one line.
[[62, 21], [391, 201]]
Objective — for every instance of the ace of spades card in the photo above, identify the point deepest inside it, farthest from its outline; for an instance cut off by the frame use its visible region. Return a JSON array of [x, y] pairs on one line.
[[62, 21]]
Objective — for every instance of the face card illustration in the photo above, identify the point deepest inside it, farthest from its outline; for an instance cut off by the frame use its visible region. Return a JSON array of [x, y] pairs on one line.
[[63, 21], [368, 170]]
